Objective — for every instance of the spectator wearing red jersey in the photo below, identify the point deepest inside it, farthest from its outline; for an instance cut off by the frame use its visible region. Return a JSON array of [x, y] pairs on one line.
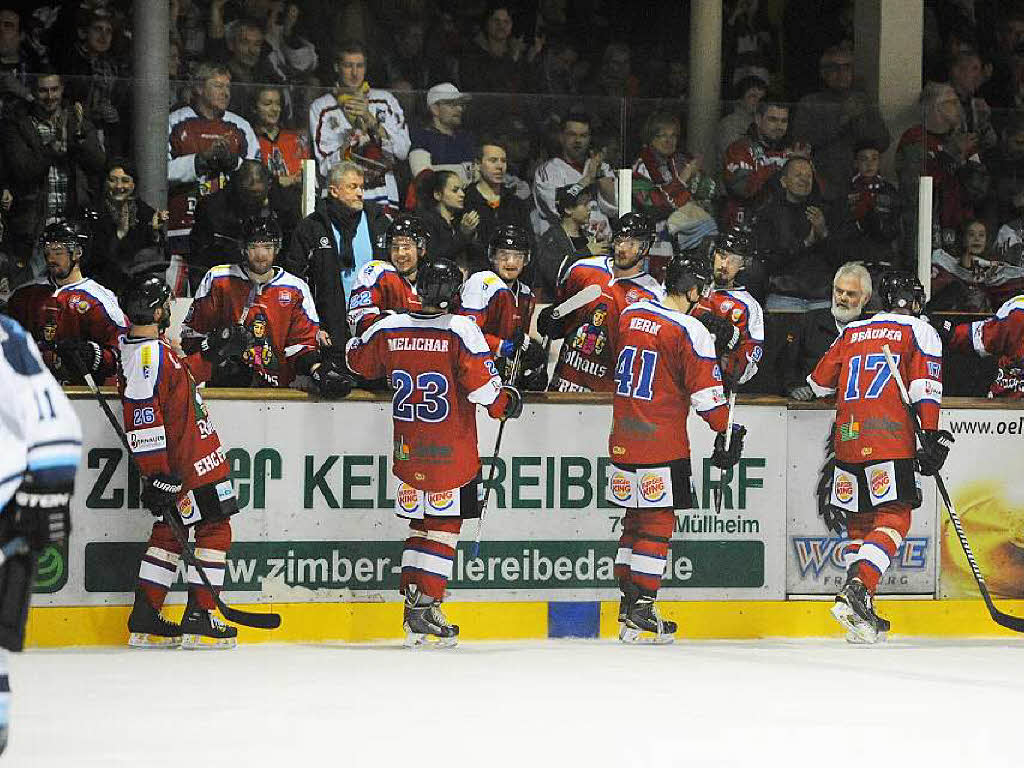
[[282, 150]]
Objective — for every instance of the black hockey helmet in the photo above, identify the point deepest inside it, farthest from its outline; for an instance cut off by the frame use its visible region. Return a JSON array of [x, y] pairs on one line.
[[900, 290], [510, 237], [142, 296], [686, 271], [438, 282], [736, 240], [635, 224], [407, 225], [261, 229], [62, 232]]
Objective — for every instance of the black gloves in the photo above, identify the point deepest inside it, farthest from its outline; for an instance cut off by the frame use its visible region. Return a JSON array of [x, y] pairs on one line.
[[945, 329], [41, 514], [80, 355], [935, 444], [217, 158], [548, 326], [727, 335], [534, 367], [226, 343], [160, 493], [332, 380], [726, 459]]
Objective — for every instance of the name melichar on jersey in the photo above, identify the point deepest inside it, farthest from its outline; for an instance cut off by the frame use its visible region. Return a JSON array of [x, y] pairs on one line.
[[417, 344]]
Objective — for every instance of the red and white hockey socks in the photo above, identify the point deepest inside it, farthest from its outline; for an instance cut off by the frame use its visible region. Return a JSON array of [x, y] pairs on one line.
[[429, 555], [163, 553], [159, 564], [651, 531], [880, 535], [213, 540]]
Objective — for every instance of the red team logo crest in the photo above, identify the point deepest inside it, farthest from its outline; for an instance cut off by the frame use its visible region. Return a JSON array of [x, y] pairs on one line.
[[442, 500], [844, 488], [652, 487], [408, 498], [879, 482], [620, 487]]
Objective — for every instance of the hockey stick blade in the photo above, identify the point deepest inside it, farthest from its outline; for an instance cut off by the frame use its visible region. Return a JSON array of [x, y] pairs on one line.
[[1003, 619], [577, 300], [235, 615]]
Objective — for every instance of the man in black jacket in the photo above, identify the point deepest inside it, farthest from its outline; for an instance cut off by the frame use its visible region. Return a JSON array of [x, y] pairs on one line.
[[53, 160], [330, 245]]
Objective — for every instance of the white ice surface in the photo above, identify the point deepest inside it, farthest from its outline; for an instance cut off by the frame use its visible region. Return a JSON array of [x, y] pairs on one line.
[[557, 703]]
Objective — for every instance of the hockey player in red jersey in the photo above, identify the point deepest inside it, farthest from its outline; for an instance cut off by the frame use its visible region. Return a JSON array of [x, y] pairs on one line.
[[1000, 336], [585, 360], [184, 471], [666, 360], [277, 309], [873, 486], [75, 321], [383, 287], [741, 343], [441, 370], [502, 305]]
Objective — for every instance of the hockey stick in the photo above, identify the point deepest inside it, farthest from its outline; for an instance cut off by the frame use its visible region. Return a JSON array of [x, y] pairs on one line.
[[1003, 619], [728, 440], [579, 299], [475, 549], [234, 615]]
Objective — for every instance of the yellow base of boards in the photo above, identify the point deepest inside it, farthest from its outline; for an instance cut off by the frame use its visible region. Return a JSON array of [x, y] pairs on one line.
[[369, 622]]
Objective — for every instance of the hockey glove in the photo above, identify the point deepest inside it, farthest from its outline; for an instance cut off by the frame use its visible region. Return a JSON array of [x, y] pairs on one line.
[[227, 343], [508, 347], [42, 514], [160, 493], [727, 335], [726, 459], [80, 355], [945, 329], [508, 405], [803, 394], [548, 326], [331, 380], [935, 444], [535, 380]]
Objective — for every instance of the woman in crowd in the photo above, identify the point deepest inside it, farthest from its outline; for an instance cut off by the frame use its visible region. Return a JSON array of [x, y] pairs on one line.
[[452, 231], [282, 151]]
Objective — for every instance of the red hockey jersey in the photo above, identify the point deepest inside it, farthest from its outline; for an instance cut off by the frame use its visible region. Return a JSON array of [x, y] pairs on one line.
[[499, 309], [378, 289], [165, 418], [81, 310], [280, 314], [440, 369], [742, 310], [585, 360], [666, 359], [1001, 335], [188, 134], [872, 423]]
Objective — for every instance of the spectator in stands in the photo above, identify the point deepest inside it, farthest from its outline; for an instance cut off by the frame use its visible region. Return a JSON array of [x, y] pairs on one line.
[[792, 238], [559, 68], [247, 62], [671, 187], [614, 78], [453, 231], [817, 329], [575, 164], [443, 145], [292, 57], [750, 42], [869, 228], [360, 124], [495, 202], [563, 245], [495, 61], [94, 78], [120, 228], [189, 26], [966, 75], [205, 144], [51, 159], [404, 61], [1008, 183], [836, 120], [282, 152], [962, 277], [522, 156], [17, 60], [938, 149], [747, 94], [219, 219], [330, 245], [753, 162]]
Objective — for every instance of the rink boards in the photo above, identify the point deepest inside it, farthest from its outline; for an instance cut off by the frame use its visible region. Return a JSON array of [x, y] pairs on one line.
[[318, 541]]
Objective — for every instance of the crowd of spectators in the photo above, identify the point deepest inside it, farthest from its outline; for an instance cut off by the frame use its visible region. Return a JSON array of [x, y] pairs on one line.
[[478, 115]]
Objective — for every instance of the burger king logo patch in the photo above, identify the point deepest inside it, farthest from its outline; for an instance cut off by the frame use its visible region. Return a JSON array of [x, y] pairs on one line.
[[652, 487], [186, 508], [621, 487], [843, 488], [442, 500], [879, 481], [408, 498]]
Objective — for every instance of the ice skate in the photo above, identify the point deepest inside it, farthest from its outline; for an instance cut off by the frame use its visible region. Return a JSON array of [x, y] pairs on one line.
[[425, 624], [148, 629], [644, 625], [854, 609], [629, 595], [202, 630]]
